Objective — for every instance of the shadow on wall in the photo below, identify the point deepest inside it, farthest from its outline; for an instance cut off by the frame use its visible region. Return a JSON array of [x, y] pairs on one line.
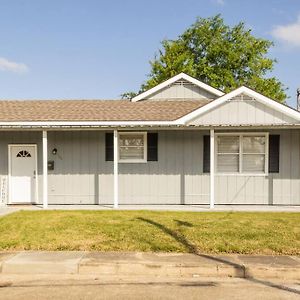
[[191, 248]]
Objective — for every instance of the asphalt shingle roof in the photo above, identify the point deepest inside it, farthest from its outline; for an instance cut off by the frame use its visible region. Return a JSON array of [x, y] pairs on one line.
[[97, 110]]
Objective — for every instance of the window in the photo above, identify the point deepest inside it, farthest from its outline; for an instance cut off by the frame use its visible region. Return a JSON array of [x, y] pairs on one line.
[[23, 153], [242, 153], [132, 146], [228, 154], [254, 154], [152, 146]]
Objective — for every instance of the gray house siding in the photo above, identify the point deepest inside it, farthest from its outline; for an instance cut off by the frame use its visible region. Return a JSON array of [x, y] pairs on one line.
[[243, 110], [176, 178], [81, 174], [281, 188], [286, 184], [182, 91], [241, 190]]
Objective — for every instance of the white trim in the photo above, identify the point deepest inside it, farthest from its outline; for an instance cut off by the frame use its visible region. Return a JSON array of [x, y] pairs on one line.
[[259, 97], [174, 79], [212, 169], [9, 170], [242, 174], [144, 134], [45, 169], [240, 153], [116, 171]]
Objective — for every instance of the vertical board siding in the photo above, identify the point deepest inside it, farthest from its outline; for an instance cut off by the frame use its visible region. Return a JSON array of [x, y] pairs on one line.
[[286, 184], [176, 177], [82, 176], [176, 91], [80, 165], [238, 112], [281, 188], [241, 189]]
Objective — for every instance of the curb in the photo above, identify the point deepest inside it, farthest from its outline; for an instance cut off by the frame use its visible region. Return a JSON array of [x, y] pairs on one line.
[[149, 264], [138, 269], [123, 269]]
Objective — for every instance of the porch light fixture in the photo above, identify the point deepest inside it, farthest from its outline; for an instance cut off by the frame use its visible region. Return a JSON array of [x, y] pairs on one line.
[[54, 151]]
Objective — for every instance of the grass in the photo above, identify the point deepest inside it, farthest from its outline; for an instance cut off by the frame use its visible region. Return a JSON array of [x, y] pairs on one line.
[[212, 232]]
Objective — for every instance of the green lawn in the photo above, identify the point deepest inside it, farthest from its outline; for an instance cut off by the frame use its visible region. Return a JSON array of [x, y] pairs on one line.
[[205, 232]]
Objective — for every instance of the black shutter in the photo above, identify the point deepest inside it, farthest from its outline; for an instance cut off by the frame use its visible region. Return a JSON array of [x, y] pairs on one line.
[[109, 146], [152, 141], [274, 144], [206, 154]]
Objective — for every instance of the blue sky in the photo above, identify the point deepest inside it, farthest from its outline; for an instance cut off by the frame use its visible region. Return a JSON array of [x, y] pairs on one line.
[[63, 49]]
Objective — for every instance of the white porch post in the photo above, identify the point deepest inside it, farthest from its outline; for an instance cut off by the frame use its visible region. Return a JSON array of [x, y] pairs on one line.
[[116, 171], [45, 170], [212, 169]]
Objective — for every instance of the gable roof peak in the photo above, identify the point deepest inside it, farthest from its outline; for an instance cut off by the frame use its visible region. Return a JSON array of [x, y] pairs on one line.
[[172, 80], [280, 107]]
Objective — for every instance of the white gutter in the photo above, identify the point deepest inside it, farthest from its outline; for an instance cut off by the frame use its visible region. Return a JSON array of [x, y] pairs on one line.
[[91, 123]]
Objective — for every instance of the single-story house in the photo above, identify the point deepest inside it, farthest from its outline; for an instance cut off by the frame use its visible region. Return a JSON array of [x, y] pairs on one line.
[[181, 142]]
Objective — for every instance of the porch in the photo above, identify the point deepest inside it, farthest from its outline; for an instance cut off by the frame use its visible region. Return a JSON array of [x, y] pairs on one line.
[[74, 167]]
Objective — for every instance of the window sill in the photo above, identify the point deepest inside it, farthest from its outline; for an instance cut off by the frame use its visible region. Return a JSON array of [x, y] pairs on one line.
[[243, 174], [132, 161]]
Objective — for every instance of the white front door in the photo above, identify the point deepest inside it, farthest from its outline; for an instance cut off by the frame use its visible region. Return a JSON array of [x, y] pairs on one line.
[[22, 173]]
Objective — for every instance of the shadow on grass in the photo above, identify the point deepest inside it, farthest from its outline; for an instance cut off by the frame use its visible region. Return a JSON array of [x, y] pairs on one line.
[[191, 248], [183, 223]]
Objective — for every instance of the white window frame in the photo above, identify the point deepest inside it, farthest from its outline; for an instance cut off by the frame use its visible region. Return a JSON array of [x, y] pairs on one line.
[[143, 160], [241, 135]]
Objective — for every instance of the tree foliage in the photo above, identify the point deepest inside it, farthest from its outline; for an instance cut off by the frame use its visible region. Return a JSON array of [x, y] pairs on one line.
[[222, 56]]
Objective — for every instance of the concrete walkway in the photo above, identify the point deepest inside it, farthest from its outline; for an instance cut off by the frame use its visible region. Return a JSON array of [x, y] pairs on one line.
[[149, 264], [4, 210]]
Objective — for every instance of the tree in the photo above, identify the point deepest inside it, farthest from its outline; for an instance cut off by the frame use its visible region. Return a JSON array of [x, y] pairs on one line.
[[222, 56]]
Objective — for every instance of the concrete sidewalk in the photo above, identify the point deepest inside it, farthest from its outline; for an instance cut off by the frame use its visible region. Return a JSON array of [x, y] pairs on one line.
[[152, 264], [5, 210]]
